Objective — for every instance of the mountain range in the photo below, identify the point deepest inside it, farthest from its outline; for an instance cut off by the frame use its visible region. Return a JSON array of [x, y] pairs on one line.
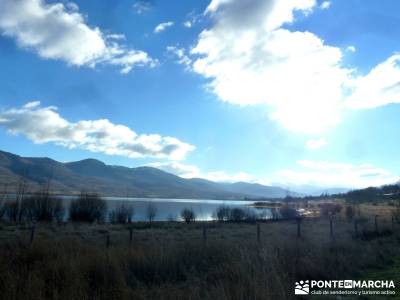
[[95, 176]]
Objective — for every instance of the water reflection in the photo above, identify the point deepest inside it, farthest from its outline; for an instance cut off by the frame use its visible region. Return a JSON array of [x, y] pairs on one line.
[[170, 209]]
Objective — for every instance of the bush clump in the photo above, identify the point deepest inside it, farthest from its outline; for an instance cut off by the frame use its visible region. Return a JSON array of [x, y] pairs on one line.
[[188, 215], [88, 208], [122, 214]]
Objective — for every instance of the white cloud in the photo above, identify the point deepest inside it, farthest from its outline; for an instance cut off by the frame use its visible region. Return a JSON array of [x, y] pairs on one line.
[[177, 168], [117, 36], [325, 5], [221, 176], [45, 125], [381, 86], [315, 144], [180, 54], [320, 174], [192, 19], [141, 7], [191, 171], [351, 49], [250, 59], [188, 24], [163, 26], [60, 32], [328, 174]]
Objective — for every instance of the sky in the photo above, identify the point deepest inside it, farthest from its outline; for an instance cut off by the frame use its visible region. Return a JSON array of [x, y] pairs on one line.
[[280, 92]]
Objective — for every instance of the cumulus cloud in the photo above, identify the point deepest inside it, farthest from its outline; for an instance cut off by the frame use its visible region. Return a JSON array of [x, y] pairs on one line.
[[177, 168], [307, 173], [191, 171], [325, 5], [316, 143], [46, 125], [60, 32], [331, 174], [381, 86], [163, 26], [249, 59]]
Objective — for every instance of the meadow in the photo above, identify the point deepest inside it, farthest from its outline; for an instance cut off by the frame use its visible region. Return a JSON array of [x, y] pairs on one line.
[[195, 260]]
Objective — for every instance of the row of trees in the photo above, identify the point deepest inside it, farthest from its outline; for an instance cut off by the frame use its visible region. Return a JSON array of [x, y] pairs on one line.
[[89, 207], [44, 207]]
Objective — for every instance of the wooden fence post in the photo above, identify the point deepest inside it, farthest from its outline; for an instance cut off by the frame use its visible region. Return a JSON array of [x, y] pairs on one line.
[[298, 219], [376, 223], [204, 235], [331, 226], [108, 241], [356, 228], [392, 221], [258, 233], [130, 236], [32, 237]]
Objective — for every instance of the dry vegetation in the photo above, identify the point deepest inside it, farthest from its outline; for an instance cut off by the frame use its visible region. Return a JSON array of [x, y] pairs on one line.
[[175, 260]]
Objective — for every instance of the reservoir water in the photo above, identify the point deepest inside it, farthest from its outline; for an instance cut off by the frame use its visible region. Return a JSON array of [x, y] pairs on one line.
[[170, 209]]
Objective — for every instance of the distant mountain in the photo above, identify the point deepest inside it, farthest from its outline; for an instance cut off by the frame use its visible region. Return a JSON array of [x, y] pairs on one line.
[[258, 190], [94, 175], [311, 190]]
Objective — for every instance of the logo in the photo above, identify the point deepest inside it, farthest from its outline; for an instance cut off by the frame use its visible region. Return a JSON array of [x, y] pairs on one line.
[[345, 287], [302, 287]]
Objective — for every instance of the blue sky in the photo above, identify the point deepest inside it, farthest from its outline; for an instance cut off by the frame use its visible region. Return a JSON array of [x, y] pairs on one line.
[[278, 92]]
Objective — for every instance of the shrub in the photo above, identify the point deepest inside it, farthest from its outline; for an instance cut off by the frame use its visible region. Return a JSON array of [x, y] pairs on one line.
[[42, 207], [288, 212], [274, 213], [151, 212], [237, 215], [251, 216], [88, 208], [10, 211], [223, 212], [330, 209], [188, 215], [350, 212], [122, 214]]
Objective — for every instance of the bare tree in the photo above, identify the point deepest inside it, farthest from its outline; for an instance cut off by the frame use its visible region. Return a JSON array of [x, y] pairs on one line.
[[20, 195], [122, 214], [223, 213], [88, 208], [3, 200], [151, 212], [43, 207], [350, 212], [188, 215]]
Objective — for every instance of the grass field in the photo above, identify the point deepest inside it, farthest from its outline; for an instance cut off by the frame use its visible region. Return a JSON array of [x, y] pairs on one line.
[[174, 260]]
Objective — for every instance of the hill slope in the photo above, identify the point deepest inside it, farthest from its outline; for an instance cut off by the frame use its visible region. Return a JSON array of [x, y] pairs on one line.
[[94, 175]]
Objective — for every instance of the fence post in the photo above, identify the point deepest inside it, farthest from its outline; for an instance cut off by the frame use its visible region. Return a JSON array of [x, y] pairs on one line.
[[130, 236], [356, 228], [108, 241], [331, 226], [298, 219], [258, 233], [32, 238], [392, 221], [204, 234], [376, 223]]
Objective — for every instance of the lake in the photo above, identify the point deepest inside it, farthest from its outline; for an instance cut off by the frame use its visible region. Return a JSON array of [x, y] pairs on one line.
[[170, 209]]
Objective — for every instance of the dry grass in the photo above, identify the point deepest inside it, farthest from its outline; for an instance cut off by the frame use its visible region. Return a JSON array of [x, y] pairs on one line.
[[172, 261]]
